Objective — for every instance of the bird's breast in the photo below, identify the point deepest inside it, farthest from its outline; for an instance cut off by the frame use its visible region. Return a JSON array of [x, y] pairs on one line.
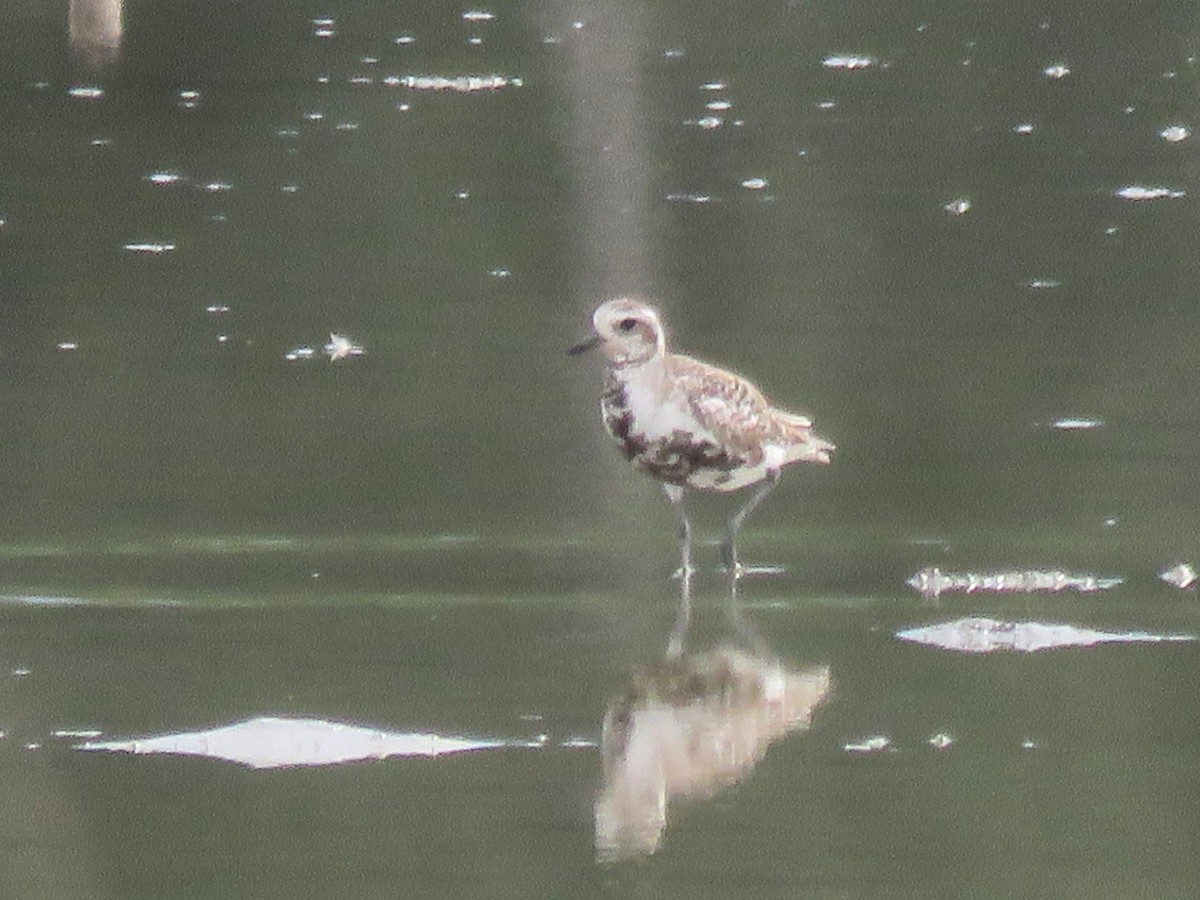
[[664, 439]]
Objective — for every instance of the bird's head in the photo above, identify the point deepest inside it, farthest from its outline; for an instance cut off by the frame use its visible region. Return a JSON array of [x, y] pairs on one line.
[[628, 331]]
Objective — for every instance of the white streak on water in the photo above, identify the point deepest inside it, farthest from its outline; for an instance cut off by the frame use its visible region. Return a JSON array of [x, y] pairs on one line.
[[270, 742], [1142, 192], [849, 61], [983, 635]]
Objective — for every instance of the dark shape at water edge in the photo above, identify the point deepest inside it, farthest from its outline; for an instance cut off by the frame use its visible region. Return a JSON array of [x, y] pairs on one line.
[[687, 727]]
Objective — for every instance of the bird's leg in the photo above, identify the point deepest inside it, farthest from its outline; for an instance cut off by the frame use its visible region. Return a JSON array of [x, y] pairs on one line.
[[729, 544], [683, 615], [747, 632]]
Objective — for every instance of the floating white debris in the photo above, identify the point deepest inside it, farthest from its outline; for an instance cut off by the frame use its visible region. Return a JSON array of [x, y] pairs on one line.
[[272, 743], [1042, 284], [1182, 575], [161, 178], [474, 41], [826, 104], [153, 247], [755, 184], [66, 346], [299, 354], [1175, 133], [341, 347], [941, 741], [674, 53], [1058, 70], [216, 309], [1030, 744], [959, 206], [289, 188], [932, 582], [314, 116], [463, 84], [1024, 128], [100, 142], [500, 272], [1076, 423], [877, 743], [86, 92], [1141, 192], [478, 15], [981, 635], [848, 61]]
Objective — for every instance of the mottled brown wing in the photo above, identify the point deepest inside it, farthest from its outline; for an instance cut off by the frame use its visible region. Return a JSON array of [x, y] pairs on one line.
[[732, 409], [738, 415]]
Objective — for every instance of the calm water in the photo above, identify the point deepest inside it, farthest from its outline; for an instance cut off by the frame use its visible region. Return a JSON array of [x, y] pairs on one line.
[[901, 218]]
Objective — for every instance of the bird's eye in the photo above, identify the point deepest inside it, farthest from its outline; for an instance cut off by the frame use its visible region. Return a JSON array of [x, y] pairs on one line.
[[627, 325]]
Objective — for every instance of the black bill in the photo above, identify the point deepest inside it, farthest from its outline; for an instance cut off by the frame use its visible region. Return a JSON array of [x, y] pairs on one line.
[[584, 346]]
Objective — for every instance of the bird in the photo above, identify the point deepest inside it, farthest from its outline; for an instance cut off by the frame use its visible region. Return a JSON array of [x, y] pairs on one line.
[[692, 425]]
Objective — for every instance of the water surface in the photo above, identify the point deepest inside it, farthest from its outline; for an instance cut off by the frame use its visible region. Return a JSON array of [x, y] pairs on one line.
[[918, 223]]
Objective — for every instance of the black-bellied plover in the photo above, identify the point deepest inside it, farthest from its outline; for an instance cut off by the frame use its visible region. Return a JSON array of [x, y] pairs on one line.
[[692, 425]]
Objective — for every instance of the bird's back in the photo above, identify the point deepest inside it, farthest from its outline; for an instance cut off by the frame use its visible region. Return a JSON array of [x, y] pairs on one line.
[[735, 411]]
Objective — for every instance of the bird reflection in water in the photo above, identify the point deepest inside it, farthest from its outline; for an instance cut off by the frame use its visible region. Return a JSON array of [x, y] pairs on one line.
[[687, 727]]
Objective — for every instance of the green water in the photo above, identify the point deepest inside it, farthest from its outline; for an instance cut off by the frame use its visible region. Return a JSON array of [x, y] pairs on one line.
[[436, 536]]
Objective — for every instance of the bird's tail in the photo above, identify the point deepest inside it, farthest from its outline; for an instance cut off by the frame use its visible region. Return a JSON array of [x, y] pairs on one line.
[[806, 444]]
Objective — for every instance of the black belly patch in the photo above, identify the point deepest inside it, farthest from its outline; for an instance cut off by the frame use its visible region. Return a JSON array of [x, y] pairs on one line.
[[671, 459]]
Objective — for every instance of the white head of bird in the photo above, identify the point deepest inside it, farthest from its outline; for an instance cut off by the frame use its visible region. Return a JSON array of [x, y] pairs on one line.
[[628, 331]]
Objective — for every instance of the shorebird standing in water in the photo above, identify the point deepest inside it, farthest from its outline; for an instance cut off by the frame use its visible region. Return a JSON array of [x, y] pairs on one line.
[[692, 425]]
